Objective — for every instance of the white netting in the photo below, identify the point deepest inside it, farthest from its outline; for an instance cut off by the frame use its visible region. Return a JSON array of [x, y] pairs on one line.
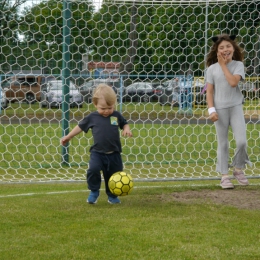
[[127, 42]]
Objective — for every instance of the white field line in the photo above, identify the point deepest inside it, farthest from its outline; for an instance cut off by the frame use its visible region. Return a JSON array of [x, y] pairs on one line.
[[136, 187]]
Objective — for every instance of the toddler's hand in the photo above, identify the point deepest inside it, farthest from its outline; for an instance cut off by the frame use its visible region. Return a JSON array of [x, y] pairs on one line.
[[127, 132], [64, 140]]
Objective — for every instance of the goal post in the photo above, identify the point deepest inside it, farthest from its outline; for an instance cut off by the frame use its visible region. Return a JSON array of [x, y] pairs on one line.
[[120, 42]]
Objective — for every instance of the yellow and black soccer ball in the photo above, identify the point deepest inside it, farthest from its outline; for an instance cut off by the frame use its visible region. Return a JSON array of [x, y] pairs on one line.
[[120, 183]]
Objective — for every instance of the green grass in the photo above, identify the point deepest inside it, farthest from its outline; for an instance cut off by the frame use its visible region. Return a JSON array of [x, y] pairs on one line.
[[156, 150], [22, 110], [53, 221], [37, 147]]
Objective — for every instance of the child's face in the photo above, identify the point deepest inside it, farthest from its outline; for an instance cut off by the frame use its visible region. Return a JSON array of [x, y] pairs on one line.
[[103, 109], [226, 50]]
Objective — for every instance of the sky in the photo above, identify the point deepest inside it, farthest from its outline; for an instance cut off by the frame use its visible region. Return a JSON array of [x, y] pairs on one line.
[[97, 3]]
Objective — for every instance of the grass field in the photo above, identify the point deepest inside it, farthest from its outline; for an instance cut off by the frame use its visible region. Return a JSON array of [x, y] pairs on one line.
[[130, 111], [35, 150], [178, 220], [155, 222], [176, 149]]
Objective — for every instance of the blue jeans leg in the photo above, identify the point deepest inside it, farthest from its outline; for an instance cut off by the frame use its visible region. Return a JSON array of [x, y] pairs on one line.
[[108, 164], [94, 171]]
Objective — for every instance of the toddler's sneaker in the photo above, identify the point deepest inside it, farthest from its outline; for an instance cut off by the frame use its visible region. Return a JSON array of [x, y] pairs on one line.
[[226, 183], [93, 197], [115, 200], [241, 178]]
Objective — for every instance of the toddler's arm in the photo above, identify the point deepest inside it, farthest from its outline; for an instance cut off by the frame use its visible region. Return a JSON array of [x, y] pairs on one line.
[[127, 131], [75, 131]]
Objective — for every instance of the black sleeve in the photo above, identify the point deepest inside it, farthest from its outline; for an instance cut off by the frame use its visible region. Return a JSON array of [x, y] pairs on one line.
[[122, 121], [84, 124]]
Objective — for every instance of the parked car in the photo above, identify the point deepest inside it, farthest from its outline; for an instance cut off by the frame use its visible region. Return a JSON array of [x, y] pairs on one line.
[[4, 101], [88, 87], [175, 88], [142, 92], [199, 92], [53, 95], [250, 89], [171, 91], [23, 88]]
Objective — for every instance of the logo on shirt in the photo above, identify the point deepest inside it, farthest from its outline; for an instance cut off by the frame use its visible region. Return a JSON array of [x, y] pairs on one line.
[[113, 120]]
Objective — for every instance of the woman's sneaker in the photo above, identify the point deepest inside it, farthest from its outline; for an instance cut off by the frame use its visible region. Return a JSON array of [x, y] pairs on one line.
[[241, 178], [112, 200], [93, 197], [226, 183]]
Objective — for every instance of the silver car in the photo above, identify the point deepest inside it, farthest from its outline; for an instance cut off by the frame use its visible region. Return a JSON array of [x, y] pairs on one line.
[[53, 95], [4, 101], [171, 92], [88, 87]]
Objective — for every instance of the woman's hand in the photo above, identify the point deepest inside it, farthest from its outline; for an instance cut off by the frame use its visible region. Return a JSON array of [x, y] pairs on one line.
[[213, 117], [222, 59]]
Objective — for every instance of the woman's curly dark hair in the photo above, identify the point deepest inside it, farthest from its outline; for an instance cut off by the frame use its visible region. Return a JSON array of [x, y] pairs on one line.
[[212, 56]]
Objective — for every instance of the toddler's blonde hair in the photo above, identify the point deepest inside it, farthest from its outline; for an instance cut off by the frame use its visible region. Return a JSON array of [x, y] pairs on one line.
[[106, 92]]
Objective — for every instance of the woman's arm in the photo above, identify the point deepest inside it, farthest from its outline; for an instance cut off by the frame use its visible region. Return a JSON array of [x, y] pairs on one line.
[[209, 95], [213, 116]]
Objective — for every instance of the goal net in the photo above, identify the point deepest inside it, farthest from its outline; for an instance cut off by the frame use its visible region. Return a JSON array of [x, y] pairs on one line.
[[160, 46]]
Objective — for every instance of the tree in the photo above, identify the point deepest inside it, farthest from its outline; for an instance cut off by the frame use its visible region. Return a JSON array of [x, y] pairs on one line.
[[42, 26], [154, 40], [9, 40]]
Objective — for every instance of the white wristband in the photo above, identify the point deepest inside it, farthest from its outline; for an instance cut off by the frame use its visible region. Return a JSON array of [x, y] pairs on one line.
[[211, 110]]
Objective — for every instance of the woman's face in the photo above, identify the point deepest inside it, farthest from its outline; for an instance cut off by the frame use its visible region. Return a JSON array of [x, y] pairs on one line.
[[226, 50]]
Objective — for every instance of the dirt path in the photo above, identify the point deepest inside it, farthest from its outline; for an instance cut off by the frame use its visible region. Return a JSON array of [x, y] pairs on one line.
[[240, 198]]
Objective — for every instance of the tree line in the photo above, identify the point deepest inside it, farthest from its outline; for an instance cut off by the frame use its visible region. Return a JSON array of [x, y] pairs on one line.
[[145, 39]]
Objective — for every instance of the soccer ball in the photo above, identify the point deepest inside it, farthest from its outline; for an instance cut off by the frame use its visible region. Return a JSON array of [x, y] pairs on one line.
[[120, 184]]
